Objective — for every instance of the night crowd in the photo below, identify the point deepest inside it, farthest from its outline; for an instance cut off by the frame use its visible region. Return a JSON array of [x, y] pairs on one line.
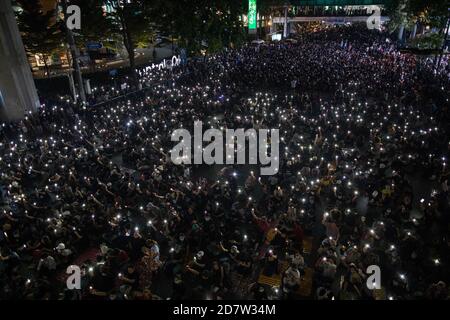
[[363, 178]]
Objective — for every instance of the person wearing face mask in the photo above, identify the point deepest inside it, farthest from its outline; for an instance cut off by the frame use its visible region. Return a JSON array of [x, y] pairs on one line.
[[195, 234], [297, 261], [180, 244], [197, 264], [149, 264], [290, 282]]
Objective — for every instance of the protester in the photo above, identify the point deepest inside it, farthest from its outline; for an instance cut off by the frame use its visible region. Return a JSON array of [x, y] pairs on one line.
[[363, 171]]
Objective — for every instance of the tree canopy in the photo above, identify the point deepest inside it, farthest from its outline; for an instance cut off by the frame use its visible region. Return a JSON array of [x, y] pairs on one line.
[[40, 29]]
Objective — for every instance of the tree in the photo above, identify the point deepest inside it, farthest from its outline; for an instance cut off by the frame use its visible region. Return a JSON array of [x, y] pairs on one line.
[[265, 7], [431, 12], [40, 30], [96, 27], [216, 23], [131, 19], [183, 19], [410, 12]]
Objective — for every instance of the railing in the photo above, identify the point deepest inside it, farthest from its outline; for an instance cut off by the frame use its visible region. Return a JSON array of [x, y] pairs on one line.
[[336, 2], [330, 19]]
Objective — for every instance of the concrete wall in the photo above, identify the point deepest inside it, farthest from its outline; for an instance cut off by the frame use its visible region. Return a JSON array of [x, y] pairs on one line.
[[16, 81]]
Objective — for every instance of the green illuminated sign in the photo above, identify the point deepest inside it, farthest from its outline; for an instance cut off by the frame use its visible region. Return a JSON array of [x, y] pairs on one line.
[[252, 14]]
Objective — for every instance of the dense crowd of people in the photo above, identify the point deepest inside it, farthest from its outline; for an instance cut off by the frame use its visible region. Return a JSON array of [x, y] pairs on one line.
[[363, 176]]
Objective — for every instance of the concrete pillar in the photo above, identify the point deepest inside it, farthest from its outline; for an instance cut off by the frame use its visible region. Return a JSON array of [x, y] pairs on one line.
[[401, 29], [73, 90], [16, 81], [414, 31], [285, 26], [87, 88]]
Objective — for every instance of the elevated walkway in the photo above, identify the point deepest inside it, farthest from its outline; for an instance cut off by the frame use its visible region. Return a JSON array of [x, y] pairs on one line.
[[327, 19]]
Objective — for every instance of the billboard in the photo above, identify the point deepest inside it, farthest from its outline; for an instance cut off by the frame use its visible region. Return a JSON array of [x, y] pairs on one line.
[[252, 14]]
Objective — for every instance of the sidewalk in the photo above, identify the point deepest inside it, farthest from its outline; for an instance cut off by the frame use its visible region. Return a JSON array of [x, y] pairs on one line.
[[143, 56]]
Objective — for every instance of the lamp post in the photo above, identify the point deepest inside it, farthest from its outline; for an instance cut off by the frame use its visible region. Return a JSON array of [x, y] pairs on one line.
[[74, 54], [285, 28]]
